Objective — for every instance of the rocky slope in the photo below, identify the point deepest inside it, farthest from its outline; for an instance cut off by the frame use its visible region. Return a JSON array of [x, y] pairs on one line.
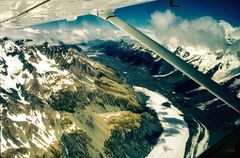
[[57, 102]]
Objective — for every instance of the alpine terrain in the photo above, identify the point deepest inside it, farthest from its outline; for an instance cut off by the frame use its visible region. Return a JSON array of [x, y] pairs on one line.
[[111, 98], [57, 102]]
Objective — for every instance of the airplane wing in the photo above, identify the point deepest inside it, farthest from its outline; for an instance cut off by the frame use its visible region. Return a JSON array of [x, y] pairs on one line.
[[20, 13]]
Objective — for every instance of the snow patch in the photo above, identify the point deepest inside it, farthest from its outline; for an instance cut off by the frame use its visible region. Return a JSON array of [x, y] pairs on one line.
[[106, 116], [42, 139], [72, 128], [45, 64]]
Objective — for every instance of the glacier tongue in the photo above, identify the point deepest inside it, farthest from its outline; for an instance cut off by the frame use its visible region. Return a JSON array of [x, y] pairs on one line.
[[173, 139]]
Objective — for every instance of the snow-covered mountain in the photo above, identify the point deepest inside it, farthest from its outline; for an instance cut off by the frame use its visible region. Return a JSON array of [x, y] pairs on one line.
[[57, 102]]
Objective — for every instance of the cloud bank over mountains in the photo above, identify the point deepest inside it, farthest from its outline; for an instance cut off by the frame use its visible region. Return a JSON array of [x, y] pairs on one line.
[[202, 34], [86, 32]]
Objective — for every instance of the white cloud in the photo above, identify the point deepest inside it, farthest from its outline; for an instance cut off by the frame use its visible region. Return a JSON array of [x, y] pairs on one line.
[[79, 32], [83, 33], [30, 30], [236, 33], [204, 33]]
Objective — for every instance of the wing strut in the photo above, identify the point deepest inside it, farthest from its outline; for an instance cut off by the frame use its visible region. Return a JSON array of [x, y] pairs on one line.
[[214, 88]]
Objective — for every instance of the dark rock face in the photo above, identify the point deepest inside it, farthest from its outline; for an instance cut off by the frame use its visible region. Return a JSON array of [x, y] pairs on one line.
[[140, 139], [166, 104], [127, 53], [76, 144]]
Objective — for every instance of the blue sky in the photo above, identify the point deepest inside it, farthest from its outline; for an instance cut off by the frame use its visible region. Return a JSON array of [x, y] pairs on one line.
[[139, 15], [190, 9]]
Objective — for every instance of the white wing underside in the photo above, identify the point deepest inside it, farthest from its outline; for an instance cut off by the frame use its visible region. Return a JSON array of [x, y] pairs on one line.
[[20, 13]]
